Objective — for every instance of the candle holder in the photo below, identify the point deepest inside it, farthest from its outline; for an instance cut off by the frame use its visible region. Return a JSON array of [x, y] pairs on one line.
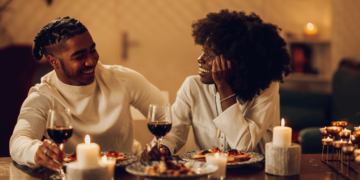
[[342, 124], [345, 134], [326, 142], [337, 145], [348, 151], [333, 130], [323, 132]]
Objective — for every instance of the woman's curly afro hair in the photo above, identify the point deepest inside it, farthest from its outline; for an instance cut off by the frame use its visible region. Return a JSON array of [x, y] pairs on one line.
[[258, 52]]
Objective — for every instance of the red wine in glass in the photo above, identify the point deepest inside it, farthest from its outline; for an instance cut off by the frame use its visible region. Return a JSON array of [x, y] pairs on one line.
[[159, 128], [59, 134], [159, 120]]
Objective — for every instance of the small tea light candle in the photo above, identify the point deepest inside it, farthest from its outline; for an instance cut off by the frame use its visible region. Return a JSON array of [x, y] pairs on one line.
[[88, 154], [327, 141], [282, 135], [220, 160], [110, 163]]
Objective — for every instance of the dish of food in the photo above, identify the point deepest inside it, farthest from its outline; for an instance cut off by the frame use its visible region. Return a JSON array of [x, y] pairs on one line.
[[170, 169], [122, 159], [235, 157]]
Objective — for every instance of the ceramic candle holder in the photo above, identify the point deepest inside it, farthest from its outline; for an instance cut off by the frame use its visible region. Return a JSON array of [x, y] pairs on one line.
[[333, 130], [323, 132], [342, 124], [348, 150]]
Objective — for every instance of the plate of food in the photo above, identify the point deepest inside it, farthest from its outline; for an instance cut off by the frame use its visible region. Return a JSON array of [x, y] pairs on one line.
[[171, 169], [122, 159], [235, 157]]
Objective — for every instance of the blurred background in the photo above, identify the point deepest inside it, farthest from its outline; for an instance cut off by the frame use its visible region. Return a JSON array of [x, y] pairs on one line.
[[154, 38]]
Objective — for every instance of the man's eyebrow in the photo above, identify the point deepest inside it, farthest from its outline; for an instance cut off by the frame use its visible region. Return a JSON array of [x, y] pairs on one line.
[[81, 51]]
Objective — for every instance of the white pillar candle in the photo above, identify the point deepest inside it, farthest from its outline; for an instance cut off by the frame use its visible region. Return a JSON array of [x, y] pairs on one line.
[[88, 154], [220, 160], [110, 163], [282, 135]]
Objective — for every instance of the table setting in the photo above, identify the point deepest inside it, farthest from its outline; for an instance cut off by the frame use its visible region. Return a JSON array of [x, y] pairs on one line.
[[88, 162]]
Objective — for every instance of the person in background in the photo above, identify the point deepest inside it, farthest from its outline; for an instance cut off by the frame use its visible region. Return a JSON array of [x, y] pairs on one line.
[[234, 101], [98, 96]]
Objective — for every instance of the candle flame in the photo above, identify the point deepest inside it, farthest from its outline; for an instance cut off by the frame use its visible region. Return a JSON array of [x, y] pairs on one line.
[[87, 139], [282, 122], [340, 140], [217, 154], [310, 26], [328, 138], [344, 129], [349, 141], [104, 159], [334, 128]]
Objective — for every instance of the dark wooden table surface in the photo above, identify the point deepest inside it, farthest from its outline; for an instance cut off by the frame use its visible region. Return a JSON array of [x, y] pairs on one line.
[[311, 169]]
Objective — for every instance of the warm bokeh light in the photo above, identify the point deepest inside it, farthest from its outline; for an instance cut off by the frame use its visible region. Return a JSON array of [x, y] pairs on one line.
[[217, 154], [104, 159], [87, 139], [310, 26], [282, 122]]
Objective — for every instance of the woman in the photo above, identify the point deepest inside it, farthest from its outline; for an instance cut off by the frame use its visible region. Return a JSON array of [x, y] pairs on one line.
[[234, 103]]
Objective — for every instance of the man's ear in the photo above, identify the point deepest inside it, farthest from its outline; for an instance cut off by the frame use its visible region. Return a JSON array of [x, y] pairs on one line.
[[53, 61]]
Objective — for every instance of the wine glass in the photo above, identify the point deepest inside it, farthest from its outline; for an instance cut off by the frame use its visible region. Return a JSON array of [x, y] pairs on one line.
[[59, 129], [159, 120]]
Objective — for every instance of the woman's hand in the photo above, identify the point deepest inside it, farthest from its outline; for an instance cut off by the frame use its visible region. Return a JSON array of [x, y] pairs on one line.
[[49, 156], [222, 72]]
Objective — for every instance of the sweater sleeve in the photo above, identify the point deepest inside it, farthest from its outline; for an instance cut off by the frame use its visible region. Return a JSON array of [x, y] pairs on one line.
[[29, 130], [142, 92], [244, 130]]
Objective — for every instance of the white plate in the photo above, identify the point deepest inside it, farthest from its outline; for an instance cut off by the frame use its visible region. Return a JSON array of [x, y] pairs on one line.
[[254, 158], [200, 168]]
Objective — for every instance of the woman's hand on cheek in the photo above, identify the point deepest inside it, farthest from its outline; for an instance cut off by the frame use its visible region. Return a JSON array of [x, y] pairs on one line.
[[222, 71]]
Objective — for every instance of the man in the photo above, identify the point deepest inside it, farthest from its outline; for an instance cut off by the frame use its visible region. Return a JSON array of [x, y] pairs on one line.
[[98, 96]]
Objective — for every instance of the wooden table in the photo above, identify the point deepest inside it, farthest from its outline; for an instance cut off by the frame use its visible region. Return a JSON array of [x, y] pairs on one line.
[[311, 168]]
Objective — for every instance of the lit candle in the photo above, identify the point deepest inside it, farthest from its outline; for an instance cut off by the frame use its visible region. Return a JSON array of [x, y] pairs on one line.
[[110, 163], [88, 154], [282, 135], [220, 160], [310, 29]]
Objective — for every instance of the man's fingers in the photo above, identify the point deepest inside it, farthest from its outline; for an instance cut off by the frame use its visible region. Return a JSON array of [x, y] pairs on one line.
[[55, 153], [45, 160]]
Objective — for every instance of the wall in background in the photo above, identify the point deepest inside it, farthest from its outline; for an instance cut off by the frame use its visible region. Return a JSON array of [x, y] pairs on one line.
[[159, 31], [345, 31]]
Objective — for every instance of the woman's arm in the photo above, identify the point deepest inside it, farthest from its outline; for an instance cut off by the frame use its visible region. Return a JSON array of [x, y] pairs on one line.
[[245, 129]]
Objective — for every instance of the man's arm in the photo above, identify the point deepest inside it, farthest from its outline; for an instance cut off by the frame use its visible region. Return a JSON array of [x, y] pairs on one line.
[[26, 147]]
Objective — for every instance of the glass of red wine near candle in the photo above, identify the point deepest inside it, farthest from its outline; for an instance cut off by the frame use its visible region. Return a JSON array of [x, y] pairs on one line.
[[59, 129], [159, 120]]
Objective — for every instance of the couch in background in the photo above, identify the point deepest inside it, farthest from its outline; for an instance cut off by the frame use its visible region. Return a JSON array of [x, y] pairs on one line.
[[343, 104]]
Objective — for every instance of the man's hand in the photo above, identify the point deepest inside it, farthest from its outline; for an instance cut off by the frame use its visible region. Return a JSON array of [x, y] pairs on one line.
[[152, 152], [54, 157]]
